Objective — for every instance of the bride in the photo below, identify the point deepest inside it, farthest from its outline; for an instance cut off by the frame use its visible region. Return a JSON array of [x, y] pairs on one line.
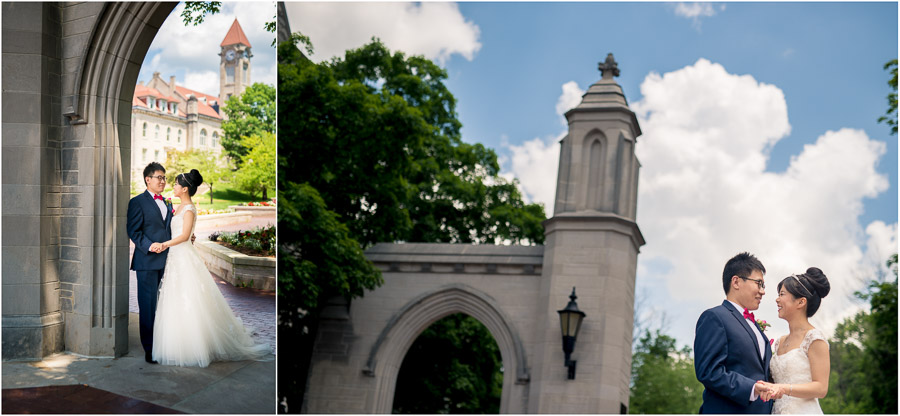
[[194, 325], [800, 363]]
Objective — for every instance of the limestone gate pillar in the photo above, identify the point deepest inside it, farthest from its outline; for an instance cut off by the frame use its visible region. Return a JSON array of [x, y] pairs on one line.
[[592, 244], [69, 72]]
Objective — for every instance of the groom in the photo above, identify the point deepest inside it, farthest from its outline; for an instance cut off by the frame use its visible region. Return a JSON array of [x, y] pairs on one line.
[[149, 224], [731, 353]]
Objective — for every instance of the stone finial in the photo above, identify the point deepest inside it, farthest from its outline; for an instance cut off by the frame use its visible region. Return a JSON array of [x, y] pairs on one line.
[[609, 68]]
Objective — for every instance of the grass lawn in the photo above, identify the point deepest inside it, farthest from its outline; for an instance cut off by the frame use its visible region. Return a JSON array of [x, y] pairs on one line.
[[223, 196]]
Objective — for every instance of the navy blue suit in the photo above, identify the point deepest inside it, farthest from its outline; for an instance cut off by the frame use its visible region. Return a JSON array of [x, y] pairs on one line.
[[146, 226], [727, 361]]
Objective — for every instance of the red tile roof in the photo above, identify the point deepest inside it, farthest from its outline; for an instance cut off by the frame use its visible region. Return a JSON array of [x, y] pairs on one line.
[[145, 91], [142, 91], [202, 108], [235, 35]]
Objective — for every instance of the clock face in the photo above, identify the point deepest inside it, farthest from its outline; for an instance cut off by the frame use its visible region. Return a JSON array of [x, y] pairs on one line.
[[229, 55]]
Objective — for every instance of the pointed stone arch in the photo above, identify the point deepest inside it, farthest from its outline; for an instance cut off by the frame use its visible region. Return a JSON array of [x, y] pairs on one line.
[[594, 152], [398, 335]]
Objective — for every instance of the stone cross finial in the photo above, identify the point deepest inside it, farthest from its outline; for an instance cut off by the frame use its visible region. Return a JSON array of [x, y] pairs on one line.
[[609, 68]]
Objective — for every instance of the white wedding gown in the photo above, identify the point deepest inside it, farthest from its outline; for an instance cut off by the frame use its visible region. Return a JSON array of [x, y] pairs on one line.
[[793, 367], [194, 324]]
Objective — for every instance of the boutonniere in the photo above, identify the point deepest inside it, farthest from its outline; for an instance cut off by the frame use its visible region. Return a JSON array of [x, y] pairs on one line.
[[763, 324], [169, 203]]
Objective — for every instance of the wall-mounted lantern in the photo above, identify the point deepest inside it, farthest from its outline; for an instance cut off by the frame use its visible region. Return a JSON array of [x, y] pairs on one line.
[[570, 321]]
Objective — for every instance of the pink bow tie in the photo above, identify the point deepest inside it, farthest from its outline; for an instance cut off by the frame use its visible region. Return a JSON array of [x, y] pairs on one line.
[[749, 315], [159, 197]]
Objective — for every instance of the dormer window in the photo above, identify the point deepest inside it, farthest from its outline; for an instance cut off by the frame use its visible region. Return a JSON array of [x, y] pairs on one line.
[[151, 102], [162, 105]]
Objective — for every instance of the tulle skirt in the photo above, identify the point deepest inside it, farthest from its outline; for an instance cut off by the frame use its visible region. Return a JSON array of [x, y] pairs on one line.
[[194, 324]]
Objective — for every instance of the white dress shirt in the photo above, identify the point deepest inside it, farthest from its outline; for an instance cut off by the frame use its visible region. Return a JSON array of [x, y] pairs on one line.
[[161, 204]]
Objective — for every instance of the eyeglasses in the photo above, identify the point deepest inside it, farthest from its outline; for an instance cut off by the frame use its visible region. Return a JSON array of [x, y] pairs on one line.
[[160, 178], [759, 282]]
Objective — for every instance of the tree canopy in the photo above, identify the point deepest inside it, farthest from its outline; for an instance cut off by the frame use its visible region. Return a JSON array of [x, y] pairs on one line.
[[454, 366], [257, 172], [370, 150], [863, 354], [890, 116], [662, 377], [250, 114], [377, 135]]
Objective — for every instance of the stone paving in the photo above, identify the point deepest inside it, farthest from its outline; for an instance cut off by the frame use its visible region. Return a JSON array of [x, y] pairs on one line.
[[255, 307]]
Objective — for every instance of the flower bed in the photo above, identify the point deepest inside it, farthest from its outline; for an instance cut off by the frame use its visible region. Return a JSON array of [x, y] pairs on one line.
[[256, 242], [270, 203]]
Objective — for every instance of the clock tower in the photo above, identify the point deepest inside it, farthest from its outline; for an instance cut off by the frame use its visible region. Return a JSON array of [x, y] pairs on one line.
[[234, 67]]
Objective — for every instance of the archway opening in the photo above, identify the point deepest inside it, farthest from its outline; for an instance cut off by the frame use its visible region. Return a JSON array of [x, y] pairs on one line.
[[453, 367]]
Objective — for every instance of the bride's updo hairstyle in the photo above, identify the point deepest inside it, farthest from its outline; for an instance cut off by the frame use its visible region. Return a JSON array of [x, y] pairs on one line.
[[190, 181], [812, 285]]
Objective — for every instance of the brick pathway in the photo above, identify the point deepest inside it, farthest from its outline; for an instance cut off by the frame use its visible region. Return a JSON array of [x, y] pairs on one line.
[[255, 307]]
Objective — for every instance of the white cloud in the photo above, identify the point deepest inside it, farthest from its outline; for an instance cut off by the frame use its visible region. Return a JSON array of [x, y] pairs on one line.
[[695, 11], [188, 51], [206, 81], [704, 193], [535, 162], [571, 96], [435, 30]]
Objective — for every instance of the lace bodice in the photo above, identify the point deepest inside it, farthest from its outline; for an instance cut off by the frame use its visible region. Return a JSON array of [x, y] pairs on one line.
[[792, 367], [178, 221]]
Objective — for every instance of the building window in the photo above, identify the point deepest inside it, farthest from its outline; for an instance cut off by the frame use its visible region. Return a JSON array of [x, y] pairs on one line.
[[162, 105], [156, 155], [156, 133], [174, 108], [144, 154], [215, 138], [179, 135], [168, 133], [245, 72], [229, 74], [203, 137], [151, 102], [145, 130]]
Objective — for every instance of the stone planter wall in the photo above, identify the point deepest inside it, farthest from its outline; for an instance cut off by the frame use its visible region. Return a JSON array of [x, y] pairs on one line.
[[238, 269], [255, 211], [218, 220]]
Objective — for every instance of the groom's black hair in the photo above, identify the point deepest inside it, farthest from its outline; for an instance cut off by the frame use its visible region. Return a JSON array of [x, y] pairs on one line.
[[153, 167], [740, 265]]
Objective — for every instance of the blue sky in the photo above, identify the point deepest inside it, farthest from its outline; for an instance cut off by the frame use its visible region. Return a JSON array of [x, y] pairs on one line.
[[759, 124], [190, 53]]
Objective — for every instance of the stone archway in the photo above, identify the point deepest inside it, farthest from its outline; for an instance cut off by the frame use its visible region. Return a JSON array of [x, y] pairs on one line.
[[78, 142], [396, 338]]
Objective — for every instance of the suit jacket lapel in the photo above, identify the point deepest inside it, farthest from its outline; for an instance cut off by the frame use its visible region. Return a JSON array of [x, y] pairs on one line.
[[740, 317], [164, 221]]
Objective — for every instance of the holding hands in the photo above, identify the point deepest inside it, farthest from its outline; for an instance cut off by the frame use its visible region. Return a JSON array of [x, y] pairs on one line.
[[158, 247], [769, 391]]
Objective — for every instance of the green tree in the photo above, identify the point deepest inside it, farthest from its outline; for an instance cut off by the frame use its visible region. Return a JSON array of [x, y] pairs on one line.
[[662, 377], [257, 172], [212, 166], [317, 259], [376, 136], [250, 114], [863, 354], [890, 117], [452, 367], [376, 133]]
